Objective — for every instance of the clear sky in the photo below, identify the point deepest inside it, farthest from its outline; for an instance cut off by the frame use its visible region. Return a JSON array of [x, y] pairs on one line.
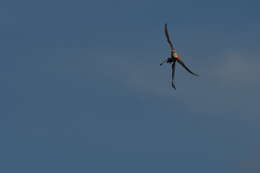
[[82, 89]]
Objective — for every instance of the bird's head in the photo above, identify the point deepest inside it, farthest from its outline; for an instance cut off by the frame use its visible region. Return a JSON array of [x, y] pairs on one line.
[[167, 60]]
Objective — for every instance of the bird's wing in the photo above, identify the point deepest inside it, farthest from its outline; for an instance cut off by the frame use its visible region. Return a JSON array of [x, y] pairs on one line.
[[173, 73], [168, 37], [184, 66]]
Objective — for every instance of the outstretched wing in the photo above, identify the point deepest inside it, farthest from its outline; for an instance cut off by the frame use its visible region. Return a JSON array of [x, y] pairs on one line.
[[184, 66], [168, 37], [173, 73]]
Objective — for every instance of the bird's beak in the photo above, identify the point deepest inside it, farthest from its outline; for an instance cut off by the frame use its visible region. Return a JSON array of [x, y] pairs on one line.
[[163, 61]]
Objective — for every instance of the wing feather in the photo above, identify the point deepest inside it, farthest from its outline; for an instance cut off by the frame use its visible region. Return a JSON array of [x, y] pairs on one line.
[[168, 37], [184, 66]]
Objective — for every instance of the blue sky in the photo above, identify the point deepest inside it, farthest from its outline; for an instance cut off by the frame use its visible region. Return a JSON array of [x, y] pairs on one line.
[[82, 89]]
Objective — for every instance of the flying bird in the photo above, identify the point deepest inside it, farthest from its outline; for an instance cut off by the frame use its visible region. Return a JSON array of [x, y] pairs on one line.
[[174, 58]]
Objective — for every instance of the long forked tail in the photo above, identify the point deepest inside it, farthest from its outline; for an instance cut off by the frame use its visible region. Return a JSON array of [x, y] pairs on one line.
[[173, 74]]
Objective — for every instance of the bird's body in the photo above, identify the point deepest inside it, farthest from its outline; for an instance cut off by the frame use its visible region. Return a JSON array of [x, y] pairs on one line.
[[174, 54], [174, 57]]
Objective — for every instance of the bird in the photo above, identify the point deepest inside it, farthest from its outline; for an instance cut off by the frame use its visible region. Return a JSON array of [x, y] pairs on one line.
[[174, 57]]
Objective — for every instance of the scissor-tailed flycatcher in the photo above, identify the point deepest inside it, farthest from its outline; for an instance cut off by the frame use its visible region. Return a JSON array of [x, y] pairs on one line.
[[174, 57]]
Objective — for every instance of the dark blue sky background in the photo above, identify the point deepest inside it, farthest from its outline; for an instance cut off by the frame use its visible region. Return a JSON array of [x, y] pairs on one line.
[[82, 89]]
